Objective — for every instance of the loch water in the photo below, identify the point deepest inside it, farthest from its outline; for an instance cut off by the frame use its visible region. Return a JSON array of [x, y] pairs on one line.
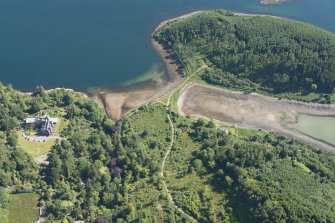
[[105, 43]]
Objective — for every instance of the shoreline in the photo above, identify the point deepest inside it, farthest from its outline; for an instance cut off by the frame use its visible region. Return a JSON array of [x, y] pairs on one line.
[[119, 102], [164, 22], [55, 89]]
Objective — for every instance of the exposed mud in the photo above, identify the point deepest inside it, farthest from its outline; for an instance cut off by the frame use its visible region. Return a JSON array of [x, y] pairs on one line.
[[251, 110]]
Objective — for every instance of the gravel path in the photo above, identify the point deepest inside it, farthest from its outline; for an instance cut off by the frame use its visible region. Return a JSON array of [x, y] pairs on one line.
[[40, 138]]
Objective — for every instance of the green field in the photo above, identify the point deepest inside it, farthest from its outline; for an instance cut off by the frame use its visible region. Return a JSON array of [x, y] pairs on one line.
[[3, 215], [23, 208], [34, 148]]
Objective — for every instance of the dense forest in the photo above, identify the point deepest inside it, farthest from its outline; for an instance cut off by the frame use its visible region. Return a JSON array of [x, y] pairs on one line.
[[84, 177], [266, 178], [101, 172], [215, 173], [255, 52], [89, 175]]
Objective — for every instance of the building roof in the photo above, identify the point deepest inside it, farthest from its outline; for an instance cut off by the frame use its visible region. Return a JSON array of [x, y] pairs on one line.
[[30, 120], [45, 116], [54, 120]]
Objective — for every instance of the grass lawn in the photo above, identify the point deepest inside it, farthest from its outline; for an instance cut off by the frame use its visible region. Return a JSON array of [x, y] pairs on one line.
[[34, 148], [23, 208], [234, 130], [3, 215], [53, 112], [61, 126]]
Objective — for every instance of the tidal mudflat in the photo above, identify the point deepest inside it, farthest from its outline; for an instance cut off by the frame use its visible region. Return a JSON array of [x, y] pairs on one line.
[[252, 111]]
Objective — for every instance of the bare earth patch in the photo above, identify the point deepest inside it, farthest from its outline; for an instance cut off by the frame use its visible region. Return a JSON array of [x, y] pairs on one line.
[[251, 110]]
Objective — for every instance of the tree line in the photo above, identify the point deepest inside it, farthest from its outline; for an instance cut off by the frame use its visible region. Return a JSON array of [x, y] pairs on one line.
[[258, 52]]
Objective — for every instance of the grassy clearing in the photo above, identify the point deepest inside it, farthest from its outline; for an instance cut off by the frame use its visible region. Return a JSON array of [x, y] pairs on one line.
[[232, 129], [191, 191], [147, 201], [181, 153], [246, 133], [150, 127], [63, 123], [3, 215], [23, 208], [195, 195], [53, 112], [147, 133], [34, 148], [151, 118]]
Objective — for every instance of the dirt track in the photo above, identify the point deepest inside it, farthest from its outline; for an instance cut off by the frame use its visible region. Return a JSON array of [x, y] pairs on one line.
[[251, 110]]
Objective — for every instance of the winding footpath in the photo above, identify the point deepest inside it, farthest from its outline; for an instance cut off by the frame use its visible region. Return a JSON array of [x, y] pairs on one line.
[[168, 151], [163, 167]]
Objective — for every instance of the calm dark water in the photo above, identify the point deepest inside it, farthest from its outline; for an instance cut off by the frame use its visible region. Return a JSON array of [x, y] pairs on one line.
[[104, 43]]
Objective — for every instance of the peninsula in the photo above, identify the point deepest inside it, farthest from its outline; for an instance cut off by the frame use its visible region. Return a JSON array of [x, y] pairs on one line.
[[206, 144]]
